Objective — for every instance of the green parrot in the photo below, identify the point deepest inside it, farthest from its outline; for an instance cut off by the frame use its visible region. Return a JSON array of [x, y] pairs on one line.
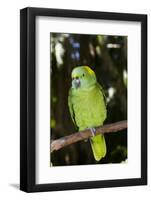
[[87, 106]]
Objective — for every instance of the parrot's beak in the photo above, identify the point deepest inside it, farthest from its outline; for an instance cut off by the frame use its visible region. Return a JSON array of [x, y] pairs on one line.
[[76, 83]]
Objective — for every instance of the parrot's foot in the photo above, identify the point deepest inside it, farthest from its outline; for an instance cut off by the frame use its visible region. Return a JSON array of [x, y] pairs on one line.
[[93, 131]]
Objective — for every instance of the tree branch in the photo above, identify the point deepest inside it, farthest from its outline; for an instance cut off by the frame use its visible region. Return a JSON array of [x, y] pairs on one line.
[[82, 135]]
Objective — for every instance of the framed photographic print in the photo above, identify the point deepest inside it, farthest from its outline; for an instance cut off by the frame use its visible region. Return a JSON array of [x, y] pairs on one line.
[[83, 99]]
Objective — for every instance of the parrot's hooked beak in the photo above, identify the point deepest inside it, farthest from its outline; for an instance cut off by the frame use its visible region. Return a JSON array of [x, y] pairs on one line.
[[76, 83]]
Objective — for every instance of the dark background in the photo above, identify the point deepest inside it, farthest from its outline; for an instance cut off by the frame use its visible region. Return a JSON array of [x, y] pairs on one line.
[[107, 56]]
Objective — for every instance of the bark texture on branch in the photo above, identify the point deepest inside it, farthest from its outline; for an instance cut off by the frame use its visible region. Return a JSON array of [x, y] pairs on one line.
[[82, 135]]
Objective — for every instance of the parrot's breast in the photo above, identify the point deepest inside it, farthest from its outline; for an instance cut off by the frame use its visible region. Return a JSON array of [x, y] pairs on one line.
[[89, 108]]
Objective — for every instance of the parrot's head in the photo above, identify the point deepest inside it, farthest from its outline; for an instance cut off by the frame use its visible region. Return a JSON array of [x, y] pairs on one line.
[[83, 77]]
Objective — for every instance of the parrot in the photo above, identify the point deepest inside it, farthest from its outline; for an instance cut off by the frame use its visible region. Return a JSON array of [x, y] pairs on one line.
[[87, 106]]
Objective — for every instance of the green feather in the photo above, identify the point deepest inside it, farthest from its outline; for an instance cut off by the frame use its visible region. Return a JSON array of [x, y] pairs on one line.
[[87, 106], [98, 146]]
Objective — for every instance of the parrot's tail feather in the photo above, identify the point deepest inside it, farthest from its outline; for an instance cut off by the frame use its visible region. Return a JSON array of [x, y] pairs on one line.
[[98, 146]]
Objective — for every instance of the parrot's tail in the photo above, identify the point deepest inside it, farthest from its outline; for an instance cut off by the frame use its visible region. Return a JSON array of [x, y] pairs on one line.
[[98, 146]]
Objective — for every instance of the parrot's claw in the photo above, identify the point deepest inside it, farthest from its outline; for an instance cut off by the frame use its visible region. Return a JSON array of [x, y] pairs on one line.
[[93, 131]]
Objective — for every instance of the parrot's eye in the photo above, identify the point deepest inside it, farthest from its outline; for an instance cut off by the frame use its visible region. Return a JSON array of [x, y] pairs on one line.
[[83, 75]]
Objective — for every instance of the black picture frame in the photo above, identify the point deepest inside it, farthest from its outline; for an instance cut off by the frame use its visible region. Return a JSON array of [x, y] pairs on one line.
[[28, 98]]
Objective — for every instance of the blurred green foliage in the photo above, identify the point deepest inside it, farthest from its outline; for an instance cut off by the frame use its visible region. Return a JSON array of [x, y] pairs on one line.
[[107, 56]]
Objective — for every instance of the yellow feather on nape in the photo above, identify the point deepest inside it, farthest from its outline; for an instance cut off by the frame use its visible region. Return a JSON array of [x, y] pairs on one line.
[[89, 70]]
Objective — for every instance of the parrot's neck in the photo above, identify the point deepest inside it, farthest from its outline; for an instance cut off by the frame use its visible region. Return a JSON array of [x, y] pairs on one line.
[[84, 89]]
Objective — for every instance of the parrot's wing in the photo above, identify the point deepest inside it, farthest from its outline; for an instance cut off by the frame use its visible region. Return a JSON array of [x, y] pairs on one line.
[[102, 91], [71, 109]]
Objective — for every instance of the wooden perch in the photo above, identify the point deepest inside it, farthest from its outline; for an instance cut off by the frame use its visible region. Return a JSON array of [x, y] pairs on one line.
[[82, 135]]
